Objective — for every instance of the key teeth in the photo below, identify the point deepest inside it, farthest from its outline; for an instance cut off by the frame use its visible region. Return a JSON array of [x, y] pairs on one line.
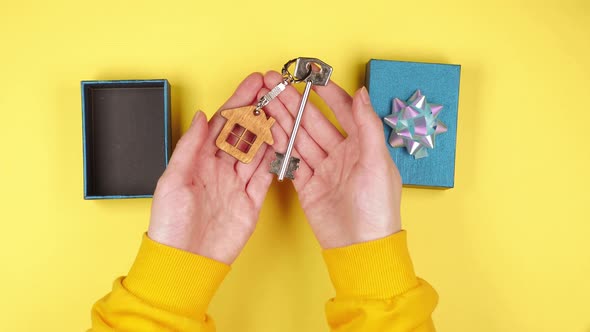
[[275, 166], [294, 164]]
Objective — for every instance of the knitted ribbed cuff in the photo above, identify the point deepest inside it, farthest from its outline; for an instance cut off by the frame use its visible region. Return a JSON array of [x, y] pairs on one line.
[[377, 269], [173, 279]]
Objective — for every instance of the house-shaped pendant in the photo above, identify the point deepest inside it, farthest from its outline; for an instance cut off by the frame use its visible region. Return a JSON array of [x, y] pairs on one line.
[[244, 132]]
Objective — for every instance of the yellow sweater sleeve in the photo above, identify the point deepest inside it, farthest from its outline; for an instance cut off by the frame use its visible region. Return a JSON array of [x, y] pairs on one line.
[[376, 288], [166, 290]]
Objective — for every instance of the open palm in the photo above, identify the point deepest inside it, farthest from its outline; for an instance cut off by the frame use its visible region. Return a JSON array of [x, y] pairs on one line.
[[349, 188], [206, 202]]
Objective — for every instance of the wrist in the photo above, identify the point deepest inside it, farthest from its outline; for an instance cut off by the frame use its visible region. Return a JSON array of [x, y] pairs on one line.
[[356, 232], [174, 239], [217, 248]]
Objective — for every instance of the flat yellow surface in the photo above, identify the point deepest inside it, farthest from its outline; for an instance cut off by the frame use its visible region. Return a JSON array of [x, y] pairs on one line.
[[508, 249]]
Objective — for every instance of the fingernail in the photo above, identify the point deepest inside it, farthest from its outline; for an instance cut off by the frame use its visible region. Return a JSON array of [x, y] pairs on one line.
[[197, 116], [365, 96]]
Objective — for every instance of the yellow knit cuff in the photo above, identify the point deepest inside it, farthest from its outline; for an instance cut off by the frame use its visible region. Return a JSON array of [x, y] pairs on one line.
[[173, 279], [377, 269]]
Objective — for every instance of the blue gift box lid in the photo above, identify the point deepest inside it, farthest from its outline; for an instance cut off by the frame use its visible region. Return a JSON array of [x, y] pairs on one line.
[[387, 80], [126, 137]]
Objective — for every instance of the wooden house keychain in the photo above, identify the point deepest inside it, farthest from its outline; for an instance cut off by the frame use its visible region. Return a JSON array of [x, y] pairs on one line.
[[248, 127]]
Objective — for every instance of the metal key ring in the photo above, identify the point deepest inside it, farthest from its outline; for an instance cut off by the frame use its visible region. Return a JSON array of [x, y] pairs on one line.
[[289, 77]]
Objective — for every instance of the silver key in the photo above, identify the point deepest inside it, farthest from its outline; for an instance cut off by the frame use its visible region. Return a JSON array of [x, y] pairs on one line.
[[305, 69]]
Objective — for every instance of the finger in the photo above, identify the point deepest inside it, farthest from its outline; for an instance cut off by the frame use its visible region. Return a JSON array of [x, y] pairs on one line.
[[340, 102], [260, 180], [304, 173], [245, 92], [227, 158], [244, 95], [215, 125], [370, 129], [185, 155], [310, 151], [317, 125]]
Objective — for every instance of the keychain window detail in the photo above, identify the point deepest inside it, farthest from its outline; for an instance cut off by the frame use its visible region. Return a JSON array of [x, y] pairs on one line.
[[241, 138]]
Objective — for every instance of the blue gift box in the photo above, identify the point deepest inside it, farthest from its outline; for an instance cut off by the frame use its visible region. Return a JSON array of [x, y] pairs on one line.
[[387, 80], [126, 137]]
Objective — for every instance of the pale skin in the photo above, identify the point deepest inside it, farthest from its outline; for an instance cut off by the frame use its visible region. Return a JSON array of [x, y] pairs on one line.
[[208, 203]]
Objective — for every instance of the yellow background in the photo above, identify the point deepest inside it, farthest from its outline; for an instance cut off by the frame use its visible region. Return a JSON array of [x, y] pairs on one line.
[[508, 249]]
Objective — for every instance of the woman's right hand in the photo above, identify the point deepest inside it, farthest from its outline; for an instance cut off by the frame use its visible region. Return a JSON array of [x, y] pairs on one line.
[[349, 187]]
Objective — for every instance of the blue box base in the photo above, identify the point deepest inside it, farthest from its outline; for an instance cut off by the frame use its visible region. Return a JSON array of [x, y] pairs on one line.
[[387, 80]]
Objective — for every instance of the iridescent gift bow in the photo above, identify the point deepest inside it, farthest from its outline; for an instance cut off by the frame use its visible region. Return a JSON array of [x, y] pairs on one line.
[[415, 124]]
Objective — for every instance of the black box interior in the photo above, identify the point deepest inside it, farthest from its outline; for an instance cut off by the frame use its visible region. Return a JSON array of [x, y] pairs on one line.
[[127, 137]]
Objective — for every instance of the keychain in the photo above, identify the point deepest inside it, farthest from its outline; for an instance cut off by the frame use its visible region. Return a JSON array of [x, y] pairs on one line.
[[248, 127]]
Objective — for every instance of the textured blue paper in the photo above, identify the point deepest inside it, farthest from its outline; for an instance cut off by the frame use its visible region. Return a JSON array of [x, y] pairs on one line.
[[387, 80]]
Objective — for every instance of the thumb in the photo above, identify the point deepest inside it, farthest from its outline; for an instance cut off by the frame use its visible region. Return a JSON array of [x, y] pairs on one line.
[[187, 149], [370, 133]]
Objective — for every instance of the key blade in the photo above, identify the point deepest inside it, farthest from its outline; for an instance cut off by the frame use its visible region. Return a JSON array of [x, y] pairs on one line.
[[275, 166], [296, 125]]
